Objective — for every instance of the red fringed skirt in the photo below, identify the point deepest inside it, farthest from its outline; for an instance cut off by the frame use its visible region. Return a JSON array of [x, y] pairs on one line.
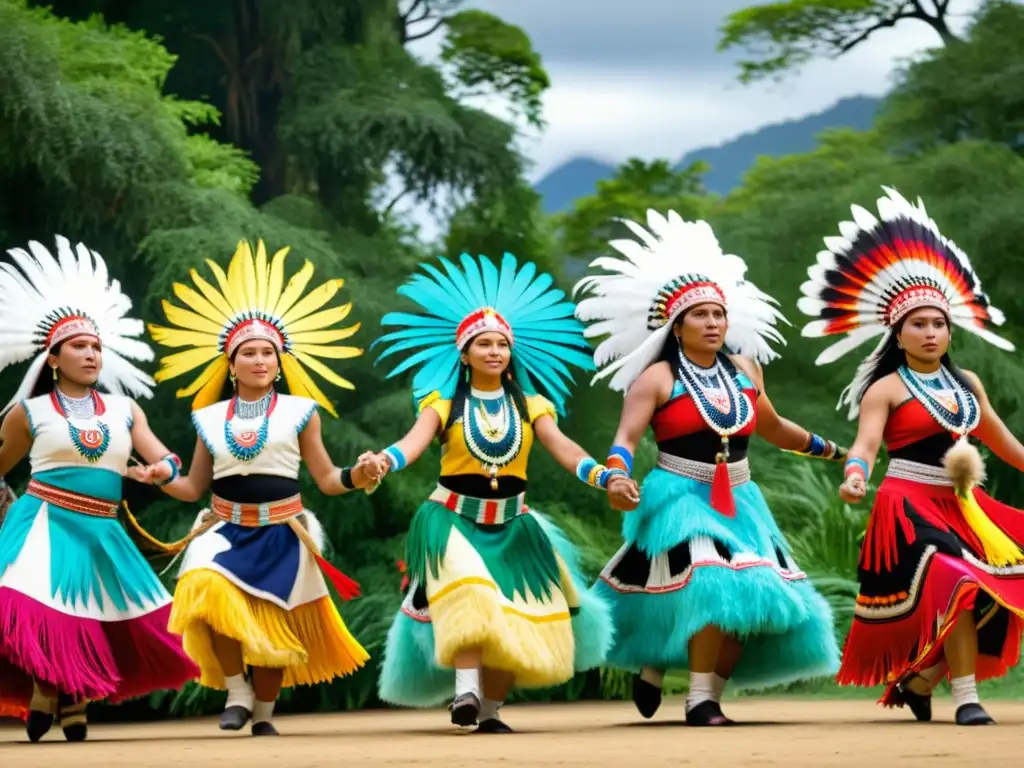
[[921, 566]]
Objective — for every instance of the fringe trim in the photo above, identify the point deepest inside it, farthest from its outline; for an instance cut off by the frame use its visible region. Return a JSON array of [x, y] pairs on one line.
[[310, 641], [539, 651]]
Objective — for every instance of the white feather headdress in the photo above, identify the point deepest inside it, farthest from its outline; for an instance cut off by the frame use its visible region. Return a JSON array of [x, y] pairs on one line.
[[46, 300], [878, 271], [675, 265]]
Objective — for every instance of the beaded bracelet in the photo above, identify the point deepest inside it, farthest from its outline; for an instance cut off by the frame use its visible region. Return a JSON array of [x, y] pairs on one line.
[[621, 459], [820, 448], [593, 474], [398, 460], [175, 463], [857, 466]]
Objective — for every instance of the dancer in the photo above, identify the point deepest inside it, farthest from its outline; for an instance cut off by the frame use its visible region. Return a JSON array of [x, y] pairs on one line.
[[705, 578], [82, 615], [495, 597], [250, 590], [940, 572]]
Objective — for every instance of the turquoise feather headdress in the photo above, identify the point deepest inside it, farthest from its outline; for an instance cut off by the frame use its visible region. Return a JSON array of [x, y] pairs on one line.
[[545, 335]]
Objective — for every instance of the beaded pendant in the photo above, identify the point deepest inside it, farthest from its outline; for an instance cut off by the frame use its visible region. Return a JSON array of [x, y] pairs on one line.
[[947, 401], [91, 442], [248, 444], [492, 439], [722, 405]]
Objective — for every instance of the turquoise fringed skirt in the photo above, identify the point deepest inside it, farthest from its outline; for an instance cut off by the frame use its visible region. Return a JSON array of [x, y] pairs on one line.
[[684, 566], [410, 674]]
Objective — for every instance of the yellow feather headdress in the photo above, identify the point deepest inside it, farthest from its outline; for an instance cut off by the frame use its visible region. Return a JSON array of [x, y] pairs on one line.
[[254, 302]]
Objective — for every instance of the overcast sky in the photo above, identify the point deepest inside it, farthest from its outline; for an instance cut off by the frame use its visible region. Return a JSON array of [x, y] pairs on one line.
[[643, 78]]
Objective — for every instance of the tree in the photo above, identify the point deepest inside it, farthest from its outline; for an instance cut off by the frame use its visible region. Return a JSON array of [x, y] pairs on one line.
[[970, 91], [785, 35], [636, 186]]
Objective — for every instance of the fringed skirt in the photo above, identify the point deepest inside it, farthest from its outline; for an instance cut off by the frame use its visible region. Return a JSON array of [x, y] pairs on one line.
[[922, 564], [495, 575], [80, 608], [262, 586], [685, 566]]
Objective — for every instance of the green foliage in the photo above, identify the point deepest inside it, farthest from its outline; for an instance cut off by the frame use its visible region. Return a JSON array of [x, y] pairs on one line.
[[489, 55], [783, 36], [972, 91], [636, 186]]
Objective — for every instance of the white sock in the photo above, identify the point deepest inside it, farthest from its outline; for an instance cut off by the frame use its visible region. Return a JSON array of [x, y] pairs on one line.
[[489, 710], [717, 686], [262, 711], [701, 689], [41, 702], [467, 681], [652, 676], [965, 691], [240, 693]]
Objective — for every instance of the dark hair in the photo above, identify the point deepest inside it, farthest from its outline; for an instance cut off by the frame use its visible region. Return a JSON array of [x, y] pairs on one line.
[[890, 357], [44, 383], [462, 392]]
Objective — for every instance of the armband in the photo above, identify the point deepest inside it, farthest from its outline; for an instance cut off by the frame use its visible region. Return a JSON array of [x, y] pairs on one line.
[[620, 459], [175, 464], [397, 458], [820, 448], [345, 475], [593, 474], [855, 466]]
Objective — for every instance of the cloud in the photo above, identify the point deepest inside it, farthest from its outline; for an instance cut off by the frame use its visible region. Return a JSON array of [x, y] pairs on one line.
[[643, 78]]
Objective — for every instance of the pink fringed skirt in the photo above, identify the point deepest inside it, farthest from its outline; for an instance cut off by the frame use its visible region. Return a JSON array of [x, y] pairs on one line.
[[80, 608]]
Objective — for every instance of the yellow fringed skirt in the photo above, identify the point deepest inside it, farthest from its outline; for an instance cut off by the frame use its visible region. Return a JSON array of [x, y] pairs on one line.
[[310, 641]]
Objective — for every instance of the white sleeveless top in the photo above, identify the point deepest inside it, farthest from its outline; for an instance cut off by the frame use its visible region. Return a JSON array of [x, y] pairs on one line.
[[280, 454], [59, 442]]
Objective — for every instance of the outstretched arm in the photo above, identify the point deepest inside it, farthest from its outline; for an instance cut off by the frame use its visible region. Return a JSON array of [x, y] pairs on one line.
[[994, 433], [874, 413], [781, 432], [406, 451], [332, 480]]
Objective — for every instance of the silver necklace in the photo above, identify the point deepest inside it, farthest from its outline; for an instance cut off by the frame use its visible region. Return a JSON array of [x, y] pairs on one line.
[[252, 409], [78, 407]]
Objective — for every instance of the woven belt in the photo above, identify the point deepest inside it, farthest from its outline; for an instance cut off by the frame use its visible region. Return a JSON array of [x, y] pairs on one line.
[[76, 502], [484, 511], [739, 471], [256, 515], [928, 474]]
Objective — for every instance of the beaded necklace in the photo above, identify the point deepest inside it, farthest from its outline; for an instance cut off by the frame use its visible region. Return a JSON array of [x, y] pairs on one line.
[[92, 440], [248, 444], [723, 406], [493, 430], [947, 401]]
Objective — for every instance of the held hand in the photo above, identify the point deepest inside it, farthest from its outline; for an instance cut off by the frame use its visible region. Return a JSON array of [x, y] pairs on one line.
[[623, 493], [853, 489], [367, 470], [149, 473]]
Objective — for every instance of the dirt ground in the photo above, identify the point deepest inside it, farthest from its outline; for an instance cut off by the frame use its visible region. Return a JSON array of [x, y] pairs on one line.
[[777, 732]]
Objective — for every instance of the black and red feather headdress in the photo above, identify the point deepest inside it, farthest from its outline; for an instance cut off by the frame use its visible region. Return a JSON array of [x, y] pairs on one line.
[[877, 272]]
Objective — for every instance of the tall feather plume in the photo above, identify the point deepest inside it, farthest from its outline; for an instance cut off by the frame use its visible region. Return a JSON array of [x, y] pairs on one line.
[[37, 288], [547, 338], [853, 283], [669, 250]]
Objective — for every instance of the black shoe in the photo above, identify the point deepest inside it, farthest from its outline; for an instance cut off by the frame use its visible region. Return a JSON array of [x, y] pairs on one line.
[[493, 725], [707, 713], [646, 696], [72, 718], [234, 718], [972, 714], [919, 703], [465, 709], [38, 724], [263, 728]]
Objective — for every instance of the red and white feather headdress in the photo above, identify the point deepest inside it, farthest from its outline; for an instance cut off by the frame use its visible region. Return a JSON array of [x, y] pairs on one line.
[[674, 265], [878, 271]]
